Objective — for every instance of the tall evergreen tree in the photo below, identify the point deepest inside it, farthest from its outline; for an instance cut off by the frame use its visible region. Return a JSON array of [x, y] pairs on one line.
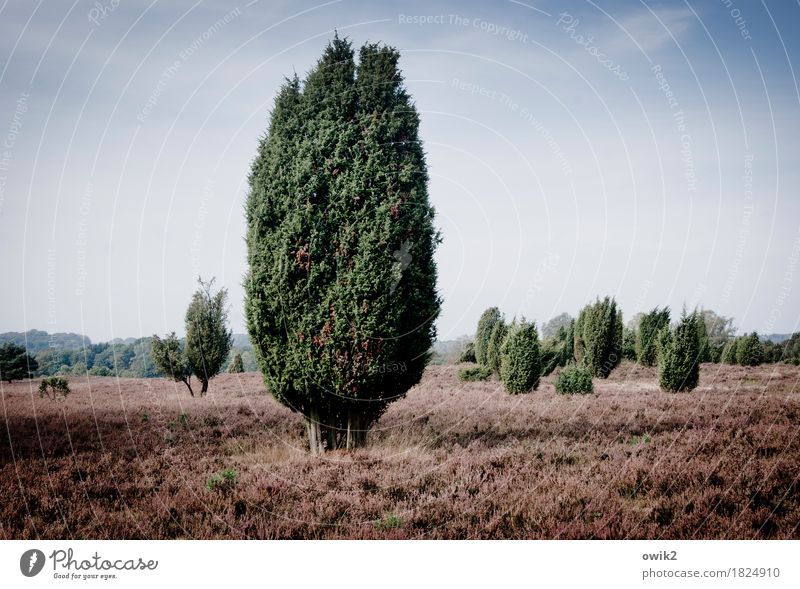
[[208, 339], [341, 290], [679, 355], [650, 326], [495, 345], [598, 337], [16, 363], [486, 324]]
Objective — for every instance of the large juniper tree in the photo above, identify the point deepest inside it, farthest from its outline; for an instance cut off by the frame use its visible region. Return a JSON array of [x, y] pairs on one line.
[[650, 327], [341, 290], [598, 337], [486, 324], [679, 355], [208, 339]]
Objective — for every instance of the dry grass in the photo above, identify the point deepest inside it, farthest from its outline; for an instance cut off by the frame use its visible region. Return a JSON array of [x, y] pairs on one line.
[[451, 460]]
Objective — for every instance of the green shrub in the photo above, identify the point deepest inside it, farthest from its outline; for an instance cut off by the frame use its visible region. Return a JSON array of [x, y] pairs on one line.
[[520, 364], [486, 323], [390, 522], [679, 355], [468, 353], [558, 350], [650, 326], [598, 337], [493, 349], [729, 352], [54, 388], [222, 481], [475, 373], [749, 351], [790, 349], [573, 379], [236, 366]]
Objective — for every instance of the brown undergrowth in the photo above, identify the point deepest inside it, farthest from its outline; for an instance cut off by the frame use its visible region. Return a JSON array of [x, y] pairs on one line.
[[135, 458]]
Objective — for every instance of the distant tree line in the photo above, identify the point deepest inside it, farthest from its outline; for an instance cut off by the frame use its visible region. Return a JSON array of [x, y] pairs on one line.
[[132, 359]]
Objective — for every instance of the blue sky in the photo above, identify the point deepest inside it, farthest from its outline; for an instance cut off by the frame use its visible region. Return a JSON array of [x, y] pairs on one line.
[[643, 150]]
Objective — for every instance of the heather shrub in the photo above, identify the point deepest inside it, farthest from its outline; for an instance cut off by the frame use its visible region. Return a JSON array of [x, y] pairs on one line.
[[475, 373], [520, 364], [54, 388], [468, 354], [573, 379], [598, 337], [650, 326], [493, 349], [749, 350], [679, 352], [486, 323]]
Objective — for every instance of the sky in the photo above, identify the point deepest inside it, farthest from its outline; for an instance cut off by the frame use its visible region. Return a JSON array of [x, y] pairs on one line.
[[642, 150]]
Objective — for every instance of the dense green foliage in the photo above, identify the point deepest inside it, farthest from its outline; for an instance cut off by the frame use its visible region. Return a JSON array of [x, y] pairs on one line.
[[475, 373], [719, 331], [520, 362], [749, 350], [629, 344], [34, 340], [170, 360], [598, 337], [54, 388], [486, 323], [573, 379], [208, 340], [495, 345], [16, 363], [650, 326], [236, 365], [679, 355], [728, 355], [341, 295], [787, 351], [558, 349], [468, 354]]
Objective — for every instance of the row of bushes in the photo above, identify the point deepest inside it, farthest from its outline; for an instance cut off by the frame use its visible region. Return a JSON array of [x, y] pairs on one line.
[[594, 344]]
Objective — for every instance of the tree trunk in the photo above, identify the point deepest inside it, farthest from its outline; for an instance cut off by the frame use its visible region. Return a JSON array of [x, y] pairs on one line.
[[356, 431], [189, 384], [333, 443], [204, 390], [314, 432]]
